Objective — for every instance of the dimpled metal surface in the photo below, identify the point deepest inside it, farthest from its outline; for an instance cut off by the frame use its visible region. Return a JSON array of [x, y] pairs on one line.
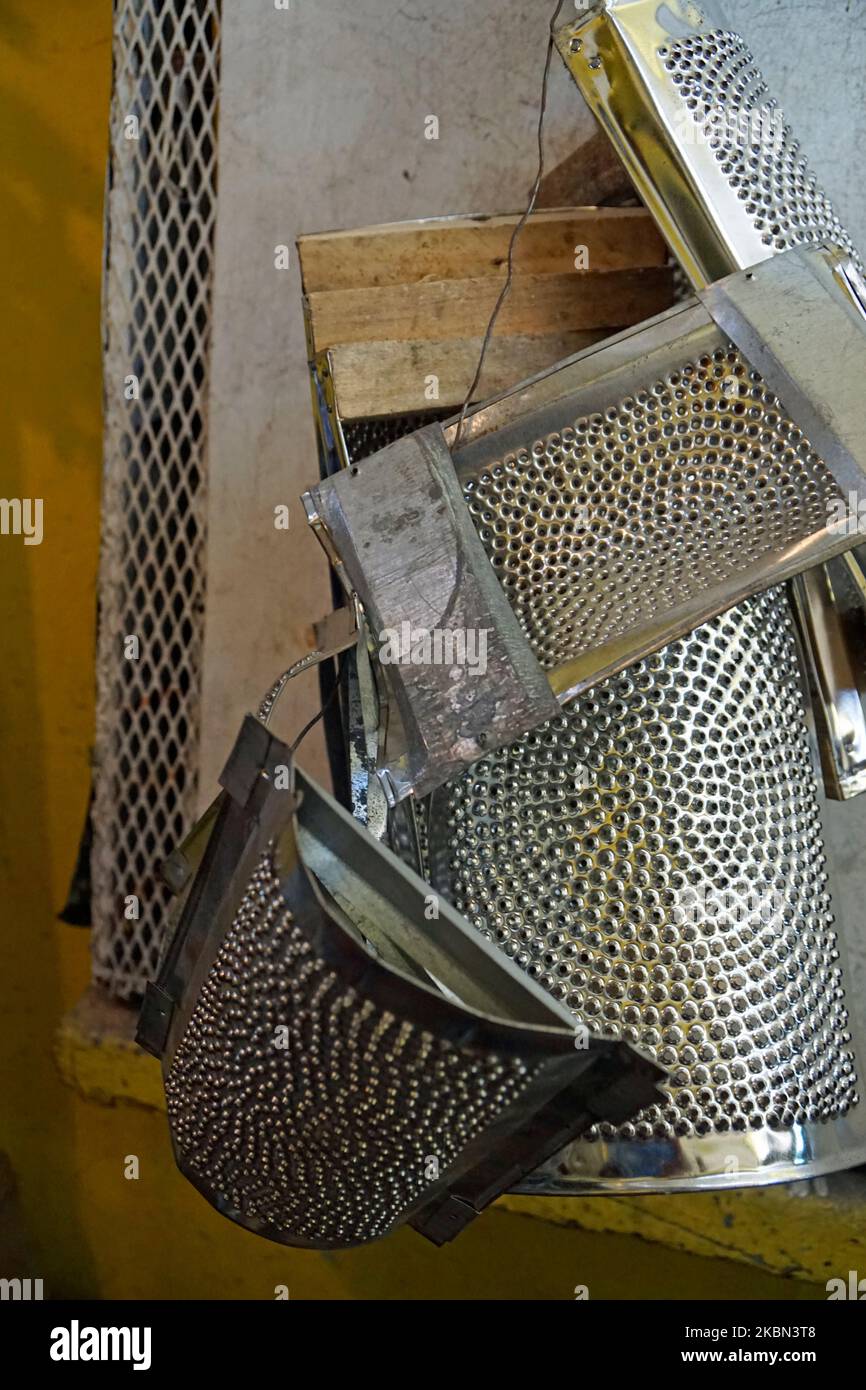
[[323, 1132], [720, 84], [686, 780], [598, 528], [367, 436]]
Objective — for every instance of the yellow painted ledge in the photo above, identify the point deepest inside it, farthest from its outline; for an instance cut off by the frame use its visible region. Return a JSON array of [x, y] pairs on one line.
[[97, 1053], [810, 1231]]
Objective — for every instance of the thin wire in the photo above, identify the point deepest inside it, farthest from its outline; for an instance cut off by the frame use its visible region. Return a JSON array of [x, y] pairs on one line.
[[503, 294], [293, 748], [266, 708]]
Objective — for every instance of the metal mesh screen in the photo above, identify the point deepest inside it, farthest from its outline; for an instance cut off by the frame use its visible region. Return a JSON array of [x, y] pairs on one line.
[[367, 436], [654, 857], [342, 1119], [720, 83], [156, 324], [632, 511]]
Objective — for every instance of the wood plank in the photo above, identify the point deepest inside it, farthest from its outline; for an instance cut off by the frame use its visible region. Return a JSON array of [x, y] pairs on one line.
[[440, 310], [460, 248], [373, 379]]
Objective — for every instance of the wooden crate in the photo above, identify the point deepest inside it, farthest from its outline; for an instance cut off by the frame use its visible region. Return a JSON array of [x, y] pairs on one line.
[[396, 314]]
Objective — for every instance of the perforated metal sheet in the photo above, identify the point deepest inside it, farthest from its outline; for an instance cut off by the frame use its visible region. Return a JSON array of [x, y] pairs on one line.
[[156, 307], [713, 157], [367, 436], [328, 1137], [654, 857], [626, 514], [716, 77]]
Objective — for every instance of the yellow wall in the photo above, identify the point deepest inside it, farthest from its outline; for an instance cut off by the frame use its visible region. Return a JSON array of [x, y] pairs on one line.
[[96, 1234]]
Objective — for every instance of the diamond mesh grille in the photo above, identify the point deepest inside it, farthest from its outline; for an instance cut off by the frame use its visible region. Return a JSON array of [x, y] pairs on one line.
[[719, 82], [156, 324]]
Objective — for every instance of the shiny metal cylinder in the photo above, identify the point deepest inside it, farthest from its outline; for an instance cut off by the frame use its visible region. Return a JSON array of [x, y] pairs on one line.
[[654, 856]]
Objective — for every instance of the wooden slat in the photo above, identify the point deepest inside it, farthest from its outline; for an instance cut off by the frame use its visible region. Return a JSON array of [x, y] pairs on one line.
[[439, 310], [391, 378], [462, 248]]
